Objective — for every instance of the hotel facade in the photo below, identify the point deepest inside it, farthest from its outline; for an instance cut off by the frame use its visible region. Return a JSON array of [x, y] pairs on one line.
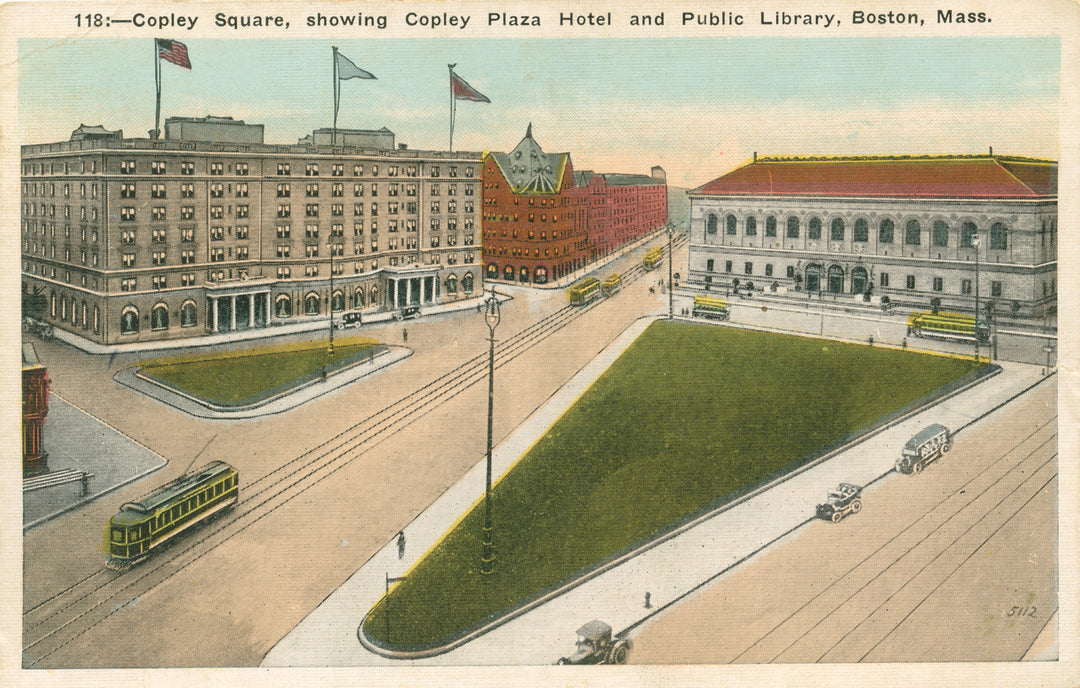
[[212, 230], [907, 228]]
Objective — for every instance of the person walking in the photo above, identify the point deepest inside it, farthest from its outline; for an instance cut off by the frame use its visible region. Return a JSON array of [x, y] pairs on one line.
[[401, 544], [404, 336]]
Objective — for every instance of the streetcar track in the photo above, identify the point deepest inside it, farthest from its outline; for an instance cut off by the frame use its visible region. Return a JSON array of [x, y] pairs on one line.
[[926, 515], [368, 433]]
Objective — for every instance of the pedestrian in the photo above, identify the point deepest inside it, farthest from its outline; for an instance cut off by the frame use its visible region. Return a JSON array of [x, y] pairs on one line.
[[404, 335], [401, 544]]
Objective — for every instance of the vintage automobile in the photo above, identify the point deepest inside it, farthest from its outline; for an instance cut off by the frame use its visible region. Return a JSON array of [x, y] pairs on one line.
[[350, 319], [595, 646], [407, 313], [926, 446], [846, 499]]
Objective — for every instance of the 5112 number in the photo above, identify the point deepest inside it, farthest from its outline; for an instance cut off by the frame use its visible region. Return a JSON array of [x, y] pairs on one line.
[[1021, 611], [90, 20]]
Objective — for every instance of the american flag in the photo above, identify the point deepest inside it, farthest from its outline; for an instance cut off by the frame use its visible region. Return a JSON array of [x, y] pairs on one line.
[[173, 51]]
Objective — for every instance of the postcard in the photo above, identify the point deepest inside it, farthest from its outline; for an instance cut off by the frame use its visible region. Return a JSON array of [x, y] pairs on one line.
[[579, 344]]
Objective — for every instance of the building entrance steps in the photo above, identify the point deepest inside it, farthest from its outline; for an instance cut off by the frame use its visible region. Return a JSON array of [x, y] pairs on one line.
[[667, 571]]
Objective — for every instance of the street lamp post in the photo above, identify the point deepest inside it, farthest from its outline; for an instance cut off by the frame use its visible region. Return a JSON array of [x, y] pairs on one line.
[[670, 270], [975, 244], [491, 317]]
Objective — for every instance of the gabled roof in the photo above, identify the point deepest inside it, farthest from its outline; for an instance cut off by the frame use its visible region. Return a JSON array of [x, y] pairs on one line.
[[529, 170], [976, 176]]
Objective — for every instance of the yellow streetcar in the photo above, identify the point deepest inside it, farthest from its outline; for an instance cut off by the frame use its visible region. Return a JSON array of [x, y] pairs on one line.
[[947, 326], [584, 291], [611, 284], [653, 258], [710, 307]]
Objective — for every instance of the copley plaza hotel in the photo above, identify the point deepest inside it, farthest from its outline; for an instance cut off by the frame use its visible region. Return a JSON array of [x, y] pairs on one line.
[[209, 229]]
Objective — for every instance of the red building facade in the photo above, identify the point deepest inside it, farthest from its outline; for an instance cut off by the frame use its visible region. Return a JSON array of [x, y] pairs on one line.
[[35, 384], [541, 221]]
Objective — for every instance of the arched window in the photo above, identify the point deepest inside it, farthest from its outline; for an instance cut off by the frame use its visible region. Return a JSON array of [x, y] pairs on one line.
[[373, 296], [159, 317], [311, 304], [451, 284], [836, 279], [858, 280], [862, 231], [968, 232], [912, 233], [770, 226], [751, 226], [467, 280], [283, 306], [836, 229], [813, 278], [508, 273], [941, 234], [730, 221], [813, 228], [339, 300], [885, 231], [523, 275], [999, 237], [793, 227], [129, 320], [358, 298], [187, 314], [710, 224], [540, 276], [492, 271]]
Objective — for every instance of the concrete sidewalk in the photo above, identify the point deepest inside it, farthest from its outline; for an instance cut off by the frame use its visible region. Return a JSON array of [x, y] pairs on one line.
[[668, 571]]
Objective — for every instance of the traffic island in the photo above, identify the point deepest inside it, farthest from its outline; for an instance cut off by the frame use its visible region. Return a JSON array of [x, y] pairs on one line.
[[689, 419]]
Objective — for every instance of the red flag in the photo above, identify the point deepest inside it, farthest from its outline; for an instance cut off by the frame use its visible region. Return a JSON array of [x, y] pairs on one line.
[[173, 51], [463, 91]]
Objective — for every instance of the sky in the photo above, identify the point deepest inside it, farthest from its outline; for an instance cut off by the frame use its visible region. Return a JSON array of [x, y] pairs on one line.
[[698, 107]]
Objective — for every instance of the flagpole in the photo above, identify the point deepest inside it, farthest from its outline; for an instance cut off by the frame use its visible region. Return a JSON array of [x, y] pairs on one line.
[[452, 107], [157, 85], [333, 141]]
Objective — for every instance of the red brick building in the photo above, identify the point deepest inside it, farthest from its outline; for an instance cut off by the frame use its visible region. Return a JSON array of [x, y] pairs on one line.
[[541, 221], [35, 384]]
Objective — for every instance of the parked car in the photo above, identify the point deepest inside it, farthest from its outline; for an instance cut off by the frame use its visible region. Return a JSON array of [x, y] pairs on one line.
[[595, 646], [926, 446], [351, 319], [846, 499], [407, 312]]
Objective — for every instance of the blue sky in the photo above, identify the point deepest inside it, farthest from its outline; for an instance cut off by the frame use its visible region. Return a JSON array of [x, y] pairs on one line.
[[696, 106]]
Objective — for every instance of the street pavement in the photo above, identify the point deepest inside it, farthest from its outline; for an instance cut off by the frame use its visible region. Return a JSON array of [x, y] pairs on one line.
[[667, 571]]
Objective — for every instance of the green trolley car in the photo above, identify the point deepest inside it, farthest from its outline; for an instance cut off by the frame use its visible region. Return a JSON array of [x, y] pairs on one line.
[[948, 326], [143, 526], [584, 292], [653, 258]]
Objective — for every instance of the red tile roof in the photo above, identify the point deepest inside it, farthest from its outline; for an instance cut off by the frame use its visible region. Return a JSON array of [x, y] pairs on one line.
[[930, 177]]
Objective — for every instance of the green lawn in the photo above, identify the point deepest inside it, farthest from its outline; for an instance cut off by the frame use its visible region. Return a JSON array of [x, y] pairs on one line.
[[237, 377], [687, 417]]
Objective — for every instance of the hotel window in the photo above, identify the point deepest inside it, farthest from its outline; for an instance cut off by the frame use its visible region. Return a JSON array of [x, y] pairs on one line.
[[999, 237], [187, 234], [337, 170], [862, 231], [374, 209], [159, 282], [242, 169], [358, 209], [284, 273], [157, 213], [186, 280], [311, 169], [358, 190], [469, 190], [187, 256], [468, 206], [391, 171], [337, 230], [157, 191], [940, 234], [311, 231], [187, 167], [358, 170], [187, 191], [358, 228], [751, 226], [337, 190], [434, 170], [217, 255], [127, 260], [127, 190], [283, 168], [217, 168], [242, 211], [885, 231], [338, 209], [469, 174], [311, 210], [312, 250], [241, 231], [241, 252], [284, 251], [374, 190], [311, 190], [127, 214], [836, 229], [217, 212], [434, 189], [242, 190], [813, 229], [968, 232], [451, 207], [729, 223], [284, 190], [912, 233], [217, 190], [158, 236], [127, 284], [157, 167], [995, 289], [410, 189], [793, 227], [217, 233], [157, 258], [284, 231]]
